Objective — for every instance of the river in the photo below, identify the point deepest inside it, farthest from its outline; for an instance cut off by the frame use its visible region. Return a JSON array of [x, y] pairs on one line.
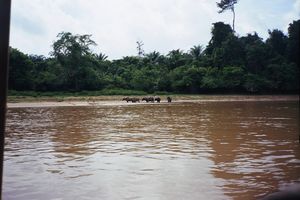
[[185, 150]]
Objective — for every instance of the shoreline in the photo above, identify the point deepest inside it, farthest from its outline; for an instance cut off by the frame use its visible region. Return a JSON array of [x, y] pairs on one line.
[[117, 100]]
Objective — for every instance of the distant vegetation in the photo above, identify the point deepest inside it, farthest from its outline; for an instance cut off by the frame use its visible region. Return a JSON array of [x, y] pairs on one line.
[[229, 64]]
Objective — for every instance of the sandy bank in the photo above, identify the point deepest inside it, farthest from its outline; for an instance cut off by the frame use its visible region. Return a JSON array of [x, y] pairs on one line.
[[110, 101]]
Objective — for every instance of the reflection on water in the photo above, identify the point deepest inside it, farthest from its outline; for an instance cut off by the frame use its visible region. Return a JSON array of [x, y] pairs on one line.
[[214, 150]]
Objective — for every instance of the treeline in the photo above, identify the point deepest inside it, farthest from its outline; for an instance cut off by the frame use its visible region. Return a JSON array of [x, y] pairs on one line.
[[229, 63]]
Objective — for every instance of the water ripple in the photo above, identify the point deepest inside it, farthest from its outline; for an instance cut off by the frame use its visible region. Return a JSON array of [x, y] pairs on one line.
[[215, 150]]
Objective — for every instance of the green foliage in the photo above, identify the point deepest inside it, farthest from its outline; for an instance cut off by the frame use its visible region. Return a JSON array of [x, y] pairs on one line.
[[153, 58], [73, 52], [257, 56], [145, 80], [186, 79], [101, 57], [283, 76], [277, 41], [176, 58], [20, 71], [230, 53], [228, 64], [211, 80], [196, 52], [232, 77], [255, 83], [220, 32], [293, 42]]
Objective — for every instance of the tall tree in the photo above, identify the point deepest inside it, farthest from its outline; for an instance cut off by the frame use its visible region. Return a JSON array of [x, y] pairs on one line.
[[230, 53], [228, 5], [294, 42], [140, 49], [71, 51], [257, 56], [20, 71], [277, 41], [220, 32]]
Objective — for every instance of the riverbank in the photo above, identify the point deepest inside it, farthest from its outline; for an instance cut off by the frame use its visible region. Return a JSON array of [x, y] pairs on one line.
[[108, 100]]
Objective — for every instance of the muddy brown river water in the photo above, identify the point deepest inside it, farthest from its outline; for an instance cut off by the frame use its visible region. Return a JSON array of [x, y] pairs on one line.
[[186, 150]]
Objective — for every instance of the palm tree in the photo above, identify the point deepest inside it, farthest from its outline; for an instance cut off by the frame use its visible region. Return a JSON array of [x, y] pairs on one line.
[[153, 57], [196, 52], [228, 5], [176, 58], [101, 57]]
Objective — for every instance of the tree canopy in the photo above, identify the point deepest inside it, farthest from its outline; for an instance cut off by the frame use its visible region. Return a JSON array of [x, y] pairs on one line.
[[229, 63]]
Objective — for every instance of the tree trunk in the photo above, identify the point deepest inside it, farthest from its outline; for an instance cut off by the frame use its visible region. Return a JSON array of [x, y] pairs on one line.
[[233, 12]]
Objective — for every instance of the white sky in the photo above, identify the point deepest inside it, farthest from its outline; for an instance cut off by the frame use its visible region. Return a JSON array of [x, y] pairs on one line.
[[162, 25]]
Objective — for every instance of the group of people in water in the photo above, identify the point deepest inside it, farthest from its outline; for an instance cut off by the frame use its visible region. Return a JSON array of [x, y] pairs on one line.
[[147, 99]]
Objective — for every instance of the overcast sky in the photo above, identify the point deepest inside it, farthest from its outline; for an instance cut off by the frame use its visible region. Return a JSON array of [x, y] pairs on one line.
[[162, 25]]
